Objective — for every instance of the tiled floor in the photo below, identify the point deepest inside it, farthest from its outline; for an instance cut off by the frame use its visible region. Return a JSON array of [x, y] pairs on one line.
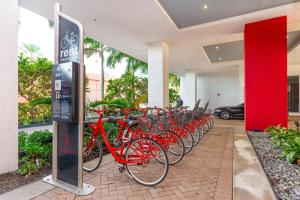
[[205, 173]]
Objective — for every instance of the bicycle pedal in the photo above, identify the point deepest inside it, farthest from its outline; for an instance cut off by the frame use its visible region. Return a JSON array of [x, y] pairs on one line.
[[122, 169]]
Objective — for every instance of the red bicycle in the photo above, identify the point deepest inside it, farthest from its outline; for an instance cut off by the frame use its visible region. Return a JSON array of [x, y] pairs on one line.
[[143, 158], [144, 126]]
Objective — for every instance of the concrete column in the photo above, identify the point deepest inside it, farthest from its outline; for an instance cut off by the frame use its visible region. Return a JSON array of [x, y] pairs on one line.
[[188, 89], [158, 75], [9, 85], [241, 83]]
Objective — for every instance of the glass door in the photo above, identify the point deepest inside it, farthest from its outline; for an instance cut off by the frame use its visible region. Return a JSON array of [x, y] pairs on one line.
[[293, 93]]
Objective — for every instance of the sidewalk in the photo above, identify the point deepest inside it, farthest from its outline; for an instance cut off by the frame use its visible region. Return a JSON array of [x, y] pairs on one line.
[[205, 173], [214, 170]]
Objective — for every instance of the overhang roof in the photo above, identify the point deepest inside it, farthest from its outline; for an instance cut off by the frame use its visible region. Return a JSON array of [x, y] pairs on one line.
[[130, 25]]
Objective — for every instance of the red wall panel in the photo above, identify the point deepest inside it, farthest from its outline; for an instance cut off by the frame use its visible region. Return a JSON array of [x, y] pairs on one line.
[[266, 73]]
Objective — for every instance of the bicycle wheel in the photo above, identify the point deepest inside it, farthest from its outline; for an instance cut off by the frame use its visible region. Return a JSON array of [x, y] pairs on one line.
[[174, 147], [198, 134], [92, 152], [143, 164], [186, 137], [112, 135], [206, 127], [211, 122]]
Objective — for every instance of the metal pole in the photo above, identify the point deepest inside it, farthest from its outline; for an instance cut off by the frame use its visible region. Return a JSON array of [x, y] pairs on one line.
[[57, 9]]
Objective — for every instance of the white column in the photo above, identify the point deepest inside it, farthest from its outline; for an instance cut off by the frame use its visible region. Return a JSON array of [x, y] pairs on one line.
[[241, 83], [8, 85], [158, 75], [188, 89]]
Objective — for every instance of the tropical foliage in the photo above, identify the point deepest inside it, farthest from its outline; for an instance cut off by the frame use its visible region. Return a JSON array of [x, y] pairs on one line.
[[93, 47], [31, 50], [173, 95], [133, 89], [174, 82], [34, 82], [34, 151], [132, 64], [117, 103], [288, 140]]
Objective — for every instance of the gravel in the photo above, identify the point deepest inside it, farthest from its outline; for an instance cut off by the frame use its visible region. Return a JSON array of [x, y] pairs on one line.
[[284, 177]]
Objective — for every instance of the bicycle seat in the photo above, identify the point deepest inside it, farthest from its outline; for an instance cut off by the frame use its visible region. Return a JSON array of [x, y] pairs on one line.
[[133, 117], [114, 119], [132, 123]]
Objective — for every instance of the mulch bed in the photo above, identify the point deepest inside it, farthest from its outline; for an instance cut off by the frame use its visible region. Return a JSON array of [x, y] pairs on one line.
[[13, 180], [284, 177]]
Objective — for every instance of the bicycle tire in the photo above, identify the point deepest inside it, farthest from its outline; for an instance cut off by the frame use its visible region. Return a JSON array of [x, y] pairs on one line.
[[196, 135], [211, 122], [112, 138], [187, 138], [95, 163], [199, 136], [178, 155], [165, 164]]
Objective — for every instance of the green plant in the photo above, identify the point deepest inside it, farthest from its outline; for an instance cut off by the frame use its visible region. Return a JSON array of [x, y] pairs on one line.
[[288, 140], [34, 151], [174, 82], [291, 149], [107, 127], [129, 87], [93, 47], [119, 103], [34, 82], [133, 64], [173, 95]]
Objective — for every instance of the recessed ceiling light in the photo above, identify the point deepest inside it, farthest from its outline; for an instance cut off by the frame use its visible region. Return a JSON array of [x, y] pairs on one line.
[[220, 59], [217, 47], [205, 6]]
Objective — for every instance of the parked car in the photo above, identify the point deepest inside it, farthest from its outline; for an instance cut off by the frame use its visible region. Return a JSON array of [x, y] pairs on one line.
[[228, 112]]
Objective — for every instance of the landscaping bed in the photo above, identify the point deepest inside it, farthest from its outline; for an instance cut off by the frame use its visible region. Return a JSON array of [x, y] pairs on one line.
[[284, 176], [35, 153], [13, 180]]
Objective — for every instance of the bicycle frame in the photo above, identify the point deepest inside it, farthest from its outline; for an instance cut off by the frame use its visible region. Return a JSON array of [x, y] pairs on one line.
[[163, 141], [140, 156]]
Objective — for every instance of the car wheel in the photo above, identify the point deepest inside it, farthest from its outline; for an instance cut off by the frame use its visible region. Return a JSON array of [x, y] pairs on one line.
[[225, 115]]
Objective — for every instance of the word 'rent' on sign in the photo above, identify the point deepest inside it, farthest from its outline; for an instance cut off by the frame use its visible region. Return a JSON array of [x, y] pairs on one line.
[[69, 53]]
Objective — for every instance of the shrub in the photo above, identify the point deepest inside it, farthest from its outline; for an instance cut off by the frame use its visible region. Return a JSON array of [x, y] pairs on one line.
[[34, 151], [34, 82], [117, 103], [288, 140]]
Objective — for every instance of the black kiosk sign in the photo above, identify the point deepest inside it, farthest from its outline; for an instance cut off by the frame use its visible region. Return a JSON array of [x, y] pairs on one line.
[[68, 105]]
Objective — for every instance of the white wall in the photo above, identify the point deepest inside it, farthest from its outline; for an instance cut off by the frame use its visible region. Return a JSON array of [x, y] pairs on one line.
[[225, 84], [294, 70], [8, 85]]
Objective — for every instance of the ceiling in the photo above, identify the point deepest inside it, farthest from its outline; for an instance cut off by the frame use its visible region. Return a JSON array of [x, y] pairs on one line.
[[231, 51], [131, 25], [197, 12]]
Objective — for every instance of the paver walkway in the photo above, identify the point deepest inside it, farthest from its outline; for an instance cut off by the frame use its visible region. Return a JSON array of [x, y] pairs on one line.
[[205, 173]]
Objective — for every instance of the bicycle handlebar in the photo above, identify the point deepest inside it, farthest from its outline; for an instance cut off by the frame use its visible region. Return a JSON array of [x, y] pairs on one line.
[[100, 112]]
